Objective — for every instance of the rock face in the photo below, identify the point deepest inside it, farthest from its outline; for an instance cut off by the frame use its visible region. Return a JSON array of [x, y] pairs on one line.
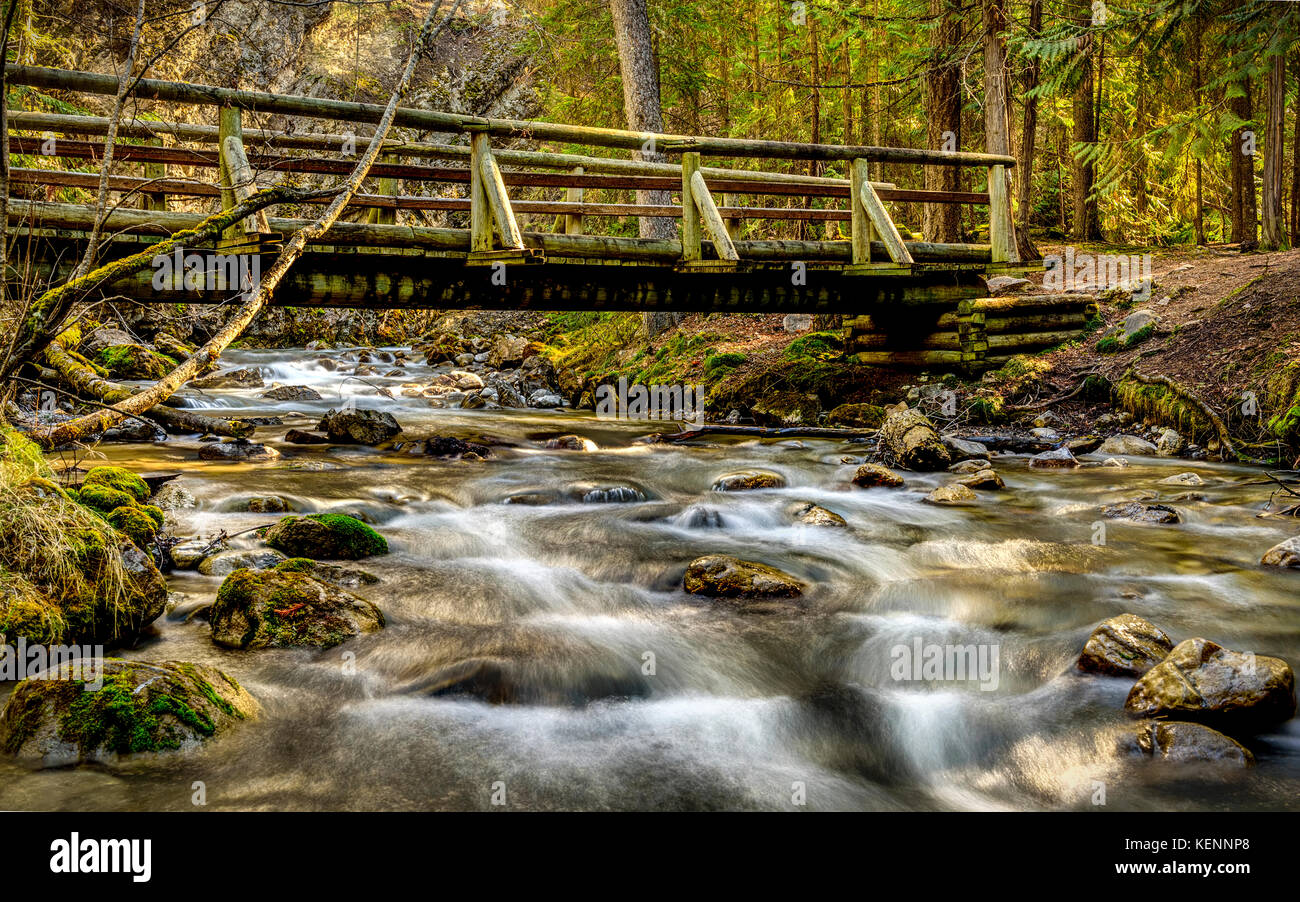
[[140, 708], [747, 480], [287, 607], [1205, 682], [722, 576], [913, 441], [1190, 742], [325, 537], [359, 426], [1284, 554], [1126, 645], [1141, 512], [1127, 444], [955, 494], [810, 514], [872, 475]]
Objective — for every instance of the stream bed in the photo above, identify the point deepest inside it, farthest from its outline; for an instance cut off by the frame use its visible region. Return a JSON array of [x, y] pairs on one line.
[[640, 696]]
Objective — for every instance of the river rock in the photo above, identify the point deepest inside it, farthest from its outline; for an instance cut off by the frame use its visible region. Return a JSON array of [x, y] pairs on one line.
[[856, 416], [303, 437], [1170, 443], [173, 496], [359, 425], [1141, 512], [1202, 681], [224, 562], [466, 381], [1045, 433], [810, 514], [287, 607], [545, 399], [913, 441], [1127, 444], [448, 447], [99, 339], [962, 450], [747, 480], [1060, 459], [51, 720], [608, 494], [723, 576], [327, 537], [507, 394], [244, 377], [237, 449], [508, 351], [291, 393], [1115, 462], [973, 465], [572, 443], [1284, 554], [1182, 742], [1126, 645], [873, 475], [1183, 479], [955, 494], [188, 554]]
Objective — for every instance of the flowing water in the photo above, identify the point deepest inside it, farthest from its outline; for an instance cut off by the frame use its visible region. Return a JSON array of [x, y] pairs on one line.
[[636, 695]]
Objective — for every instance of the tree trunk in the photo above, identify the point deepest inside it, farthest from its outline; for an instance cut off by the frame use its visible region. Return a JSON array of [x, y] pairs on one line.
[[1028, 138], [912, 441], [1295, 162], [1199, 216], [942, 222], [1244, 213], [1083, 173], [1274, 149], [78, 429], [997, 96]]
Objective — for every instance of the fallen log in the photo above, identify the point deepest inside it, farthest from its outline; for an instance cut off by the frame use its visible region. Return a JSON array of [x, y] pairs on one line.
[[911, 441]]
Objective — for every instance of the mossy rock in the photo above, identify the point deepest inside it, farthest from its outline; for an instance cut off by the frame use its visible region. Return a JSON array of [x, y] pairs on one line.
[[27, 612], [56, 719], [135, 523], [286, 607], [132, 361], [723, 576], [857, 416], [326, 537], [120, 479], [103, 498]]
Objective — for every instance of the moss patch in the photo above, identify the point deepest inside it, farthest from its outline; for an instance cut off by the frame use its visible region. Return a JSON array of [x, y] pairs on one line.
[[118, 478], [325, 537]]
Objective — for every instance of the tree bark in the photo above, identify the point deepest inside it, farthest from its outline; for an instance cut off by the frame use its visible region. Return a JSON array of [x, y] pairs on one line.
[[942, 222], [997, 95], [77, 429], [1274, 149], [1199, 215], [1295, 161], [1028, 139], [1244, 213], [1087, 226]]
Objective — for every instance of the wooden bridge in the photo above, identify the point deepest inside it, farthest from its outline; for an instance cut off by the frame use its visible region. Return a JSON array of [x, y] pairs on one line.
[[906, 301]]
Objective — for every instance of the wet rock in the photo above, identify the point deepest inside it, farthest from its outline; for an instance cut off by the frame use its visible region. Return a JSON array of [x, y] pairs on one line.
[[1170, 444], [1114, 462], [614, 494], [955, 494], [291, 393], [140, 708], [533, 499], [872, 475], [701, 517], [1284, 554], [786, 408], [1127, 444], [224, 562], [913, 441], [748, 480], [188, 554], [723, 576], [303, 437], [507, 395], [237, 449], [448, 447], [571, 443], [359, 425], [1182, 743], [100, 339], [287, 607], [1126, 645], [1141, 512], [1228, 690], [325, 537], [259, 504], [1045, 434], [1083, 444], [961, 449], [986, 479], [1183, 479], [319, 345], [973, 465], [245, 377], [465, 381], [810, 514], [508, 351], [134, 431], [853, 416], [1060, 459], [545, 399]]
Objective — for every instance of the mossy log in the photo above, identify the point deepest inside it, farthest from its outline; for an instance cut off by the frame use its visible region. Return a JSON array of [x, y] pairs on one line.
[[912, 441]]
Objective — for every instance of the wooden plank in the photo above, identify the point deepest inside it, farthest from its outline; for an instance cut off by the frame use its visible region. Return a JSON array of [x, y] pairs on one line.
[[910, 358], [503, 217], [860, 224], [1010, 340], [229, 126], [480, 217], [155, 172], [691, 233], [713, 223], [387, 186], [573, 221], [885, 227]]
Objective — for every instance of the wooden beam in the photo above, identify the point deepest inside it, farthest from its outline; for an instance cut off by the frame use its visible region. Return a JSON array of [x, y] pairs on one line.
[[713, 223], [480, 217], [387, 186], [731, 209], [1002, 231], [860, 225], [155, 172], [573, 221], [884, 225], [243, 184], [229, 126], [503, 217], [691, 234]]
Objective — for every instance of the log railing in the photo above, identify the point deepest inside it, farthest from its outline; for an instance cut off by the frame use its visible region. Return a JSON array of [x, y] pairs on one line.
[[710, 233]]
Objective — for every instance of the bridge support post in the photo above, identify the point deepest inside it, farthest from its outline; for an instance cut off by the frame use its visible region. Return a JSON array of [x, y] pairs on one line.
[[1002, 234], [691, 233], [230, 125], [573, 221], [735, 225], [388, 187], [153, 200], [859, 224]]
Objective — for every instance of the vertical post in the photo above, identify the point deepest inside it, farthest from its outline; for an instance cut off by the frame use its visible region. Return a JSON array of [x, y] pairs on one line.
[[154, 200], [230, 126], [1002, 235], [735, 225], [388, 187], [573, 221], [480, 218], [860, 225], [691, 232]]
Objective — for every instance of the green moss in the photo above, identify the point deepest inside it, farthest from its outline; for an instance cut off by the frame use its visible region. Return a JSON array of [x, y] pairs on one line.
[[154, 513], [121, 479], [815, 345], [714, 364], [296, 565], [1108, 345], [104, 499], [1141, 335], [325, 537], [138, 526], [1159, 405], [27, 612], [279, 608]]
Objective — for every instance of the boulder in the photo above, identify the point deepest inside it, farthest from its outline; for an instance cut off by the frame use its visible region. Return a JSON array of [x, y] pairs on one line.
[[1114, 462], [465, 381], [224, 562], [723, 576], [134, 361], [359, 425], [545, 399], [961, 449], [302, 437], [809, 514], [913, 442], [1182, 743], [52, 720], [1207, 683], [508, 351], [1127, 444], [1060, 459], [872, 475], [237, 449], [1126, 645], [291, 393], [99, 339], [173, 496], [287, 607], [1141, 512], [856, 416], [748, 480], [326, 537], [1170, 444], [955, 494], [448, 447], [786, 408], [973, 465], [982, 479], [1284, 554]]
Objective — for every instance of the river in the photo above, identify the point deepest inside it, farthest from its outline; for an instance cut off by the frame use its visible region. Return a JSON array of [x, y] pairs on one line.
[[643, 697]]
